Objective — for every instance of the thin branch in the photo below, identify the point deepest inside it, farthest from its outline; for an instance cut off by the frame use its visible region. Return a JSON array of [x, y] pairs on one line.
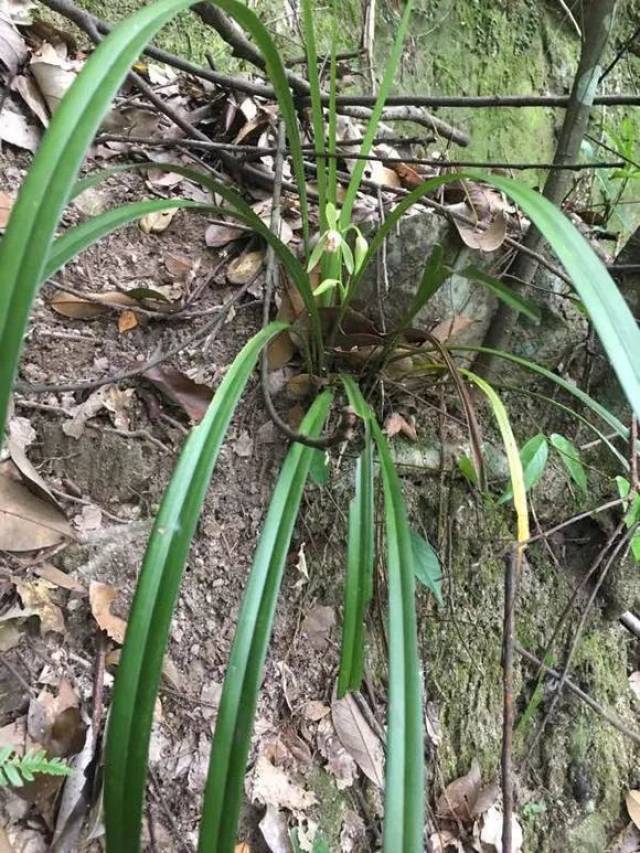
[[595, 706], [511, 576]]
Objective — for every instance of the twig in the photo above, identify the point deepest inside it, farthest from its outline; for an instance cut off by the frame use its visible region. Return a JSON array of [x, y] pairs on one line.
[[181, 844], [512, 570], [571, 17], [575, 518], [595, 706], [621, 52], [98, 686], [466, 101], [344, 431], [211, 328]]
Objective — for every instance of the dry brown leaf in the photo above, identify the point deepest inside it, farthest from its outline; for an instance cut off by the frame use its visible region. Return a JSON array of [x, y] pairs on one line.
[[127, 321], [178, 266], [491, 832], [160, 178], [457, 801], [633, 806], [451, 328], [101, 597], [380, 174], [358, 738], [271, 785], [6, 203], [409, 178], [485, 240], [216, 236], [59, 578], [318, 623], [27, 522], [16, 444], [55, 722], [78, 308], [340, 763], [315, 710], [54, 73], [242, 847], [395, 424], [28, 90], [117, 402], [300, 386], [192, 396], [36, 596], [243, 445], [18, 130], [245, 268], [158, 221], [94, 403], [13, 48]]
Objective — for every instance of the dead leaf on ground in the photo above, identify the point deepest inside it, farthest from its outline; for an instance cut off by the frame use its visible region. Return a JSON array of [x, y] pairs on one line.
[[28, 523], [271, 785], [158, 221], [217, 235], [275, 830], [245, 268], [395, 424], [6, 203], [318, 623], [487, 240], [315, 710], [94, 403], [243, 445], [59, 578], [13, 48], [16, 130], [340, 763], [633, 806], [192, 396], [36, 595], [88, 520], [358, 738], [78, 308], [161, 178], [409, 178], [491, 832], [55, 722], [242, 847], [127, 321], [101, 597], [457, 801], [178, 266], [117, 401], [54, 72], [30, 93], [21, 435], [451, 328]]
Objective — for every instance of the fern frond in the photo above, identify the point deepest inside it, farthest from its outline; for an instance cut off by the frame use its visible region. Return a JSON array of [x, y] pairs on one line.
[[16, 769]]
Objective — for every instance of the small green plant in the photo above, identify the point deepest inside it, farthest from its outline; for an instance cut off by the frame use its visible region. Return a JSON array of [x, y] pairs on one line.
[[16, 770], [29, 253]]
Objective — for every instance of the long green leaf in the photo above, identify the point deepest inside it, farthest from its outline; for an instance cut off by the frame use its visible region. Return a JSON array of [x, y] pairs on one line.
[[404, 773], [227, 764], [359, 577], [46, 190], [149, 621], [376, 115], [428, 568], [317, 118], [570, 456]]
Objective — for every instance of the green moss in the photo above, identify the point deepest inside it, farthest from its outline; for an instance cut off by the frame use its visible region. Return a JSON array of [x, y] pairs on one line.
[[332, 806]]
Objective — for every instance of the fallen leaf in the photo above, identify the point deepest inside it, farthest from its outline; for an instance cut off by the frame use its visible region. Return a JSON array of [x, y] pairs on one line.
[[59, 578], [340, 764], [245, 268], [6, 203], [317, 624], [101, 597], [117, 402], [10, 636], [409, 178], [127, 321], [192, 396], [178, 266], [36, 596], [28, 523], [89, 520], [458, 799], [243, 445], [78, 308], [54, 73], [91, 201], [242, 847], [274, 829], [17, 441], [216, 236], [158, 221], [449, 329], [55, 722], [13, 48], [20, 11], [358, 738], [160, 178], [300, 386], [395, 424], [17, 130], [315, 710], [491, 832], [94, 403], [634, 684], [633, 806], [28, 90], [445, 841], [271, 785]]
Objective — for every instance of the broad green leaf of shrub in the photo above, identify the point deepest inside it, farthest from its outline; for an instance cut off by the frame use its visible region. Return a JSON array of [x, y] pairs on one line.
[[533, 455], [427, 564], [570, 456]]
